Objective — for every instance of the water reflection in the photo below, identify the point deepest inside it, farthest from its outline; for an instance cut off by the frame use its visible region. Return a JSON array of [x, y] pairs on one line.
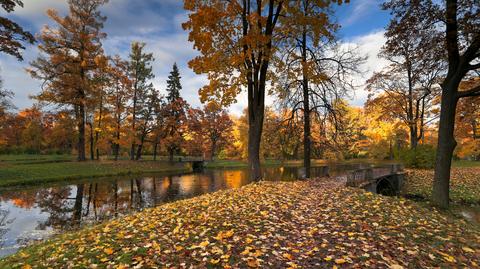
[[38, 212]]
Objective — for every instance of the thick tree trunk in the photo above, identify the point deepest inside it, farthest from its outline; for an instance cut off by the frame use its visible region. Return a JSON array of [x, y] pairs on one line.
[[255, 126], [81, 134], [413, 137], [446, 144], [212, 150]]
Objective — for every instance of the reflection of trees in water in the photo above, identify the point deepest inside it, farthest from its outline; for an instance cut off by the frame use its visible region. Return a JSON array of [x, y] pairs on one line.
[[4, 222], [55, 202], [172, 191]]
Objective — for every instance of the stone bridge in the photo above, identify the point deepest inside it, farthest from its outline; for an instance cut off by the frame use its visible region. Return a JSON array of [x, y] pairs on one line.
[[197, 163], [386, 180]]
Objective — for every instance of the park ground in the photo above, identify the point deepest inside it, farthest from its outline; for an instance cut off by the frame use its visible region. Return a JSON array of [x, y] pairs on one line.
[[302, 224]]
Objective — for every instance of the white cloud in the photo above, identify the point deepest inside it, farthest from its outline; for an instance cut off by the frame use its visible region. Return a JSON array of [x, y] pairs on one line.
[[368, 45]]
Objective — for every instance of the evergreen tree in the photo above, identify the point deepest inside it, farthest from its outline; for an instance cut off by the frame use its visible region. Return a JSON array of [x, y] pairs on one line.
[[175, 113], [173, 84]]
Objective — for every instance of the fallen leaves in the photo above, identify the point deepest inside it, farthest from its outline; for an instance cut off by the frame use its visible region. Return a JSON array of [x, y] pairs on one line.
[[464, 184], [303, 224], [108, 251]]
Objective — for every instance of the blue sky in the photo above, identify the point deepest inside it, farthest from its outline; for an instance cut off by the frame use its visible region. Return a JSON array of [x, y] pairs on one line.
[[158, 23]]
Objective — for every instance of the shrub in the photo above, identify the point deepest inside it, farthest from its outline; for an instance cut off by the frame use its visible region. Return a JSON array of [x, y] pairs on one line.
[[421, 157]]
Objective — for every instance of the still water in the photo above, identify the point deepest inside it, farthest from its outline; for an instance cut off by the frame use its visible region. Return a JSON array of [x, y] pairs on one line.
[[35, 213]]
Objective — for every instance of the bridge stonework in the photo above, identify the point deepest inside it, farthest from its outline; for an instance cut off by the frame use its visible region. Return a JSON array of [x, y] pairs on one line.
[[387, 180]]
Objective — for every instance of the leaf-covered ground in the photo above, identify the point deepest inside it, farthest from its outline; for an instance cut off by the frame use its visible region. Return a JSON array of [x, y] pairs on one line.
[[303, 224], [464, 184]]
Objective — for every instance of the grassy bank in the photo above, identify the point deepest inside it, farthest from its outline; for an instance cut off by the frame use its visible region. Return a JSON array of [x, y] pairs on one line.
[[464, 184], [268, 225], [23, 172]]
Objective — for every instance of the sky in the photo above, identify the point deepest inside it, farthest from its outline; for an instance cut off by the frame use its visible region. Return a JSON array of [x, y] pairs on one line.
[[158, 23]]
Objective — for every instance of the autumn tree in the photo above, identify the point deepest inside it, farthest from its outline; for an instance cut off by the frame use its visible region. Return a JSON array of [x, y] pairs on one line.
[[237, 41], [118, 95], [212, 125], [140, 74], [13, 36], [459, 21], [147, 118], [314, 70], [33, 130], [71, 53], [467, 123], [408, 87], [175, 113], [5, 99]]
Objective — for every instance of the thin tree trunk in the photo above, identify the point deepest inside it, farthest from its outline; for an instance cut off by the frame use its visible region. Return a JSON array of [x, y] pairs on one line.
[[155, 151], [81, 133], [92, 150], [116, 149], [97, 133], [134, 118], [306, 110]]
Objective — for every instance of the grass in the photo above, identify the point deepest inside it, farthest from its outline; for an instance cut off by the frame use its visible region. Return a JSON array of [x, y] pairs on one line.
[[14, 172], [464, 184], [268, 225], [463, 163]]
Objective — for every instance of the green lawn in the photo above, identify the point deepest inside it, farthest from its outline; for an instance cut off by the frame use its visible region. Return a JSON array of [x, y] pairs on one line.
[[21, 173]]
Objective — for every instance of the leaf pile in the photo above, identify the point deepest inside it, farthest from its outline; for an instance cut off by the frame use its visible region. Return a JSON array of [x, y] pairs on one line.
[[303, 224], [464, 184]]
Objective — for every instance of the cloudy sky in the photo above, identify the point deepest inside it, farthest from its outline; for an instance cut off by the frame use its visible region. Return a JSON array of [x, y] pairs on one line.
[[158, 23]]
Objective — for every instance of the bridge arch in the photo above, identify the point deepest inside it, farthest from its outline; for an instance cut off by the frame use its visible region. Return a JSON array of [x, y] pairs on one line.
[[386, 186]]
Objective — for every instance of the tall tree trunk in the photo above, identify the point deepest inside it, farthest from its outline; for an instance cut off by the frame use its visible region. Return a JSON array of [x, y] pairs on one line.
[[413, 137], [212, 150], [92, 146], [81, 133], [170, 154], [134, 119], [306, 109], [140, 148], [97, 133], [155, 146], [116, 149], [446, 144], [255, 126]]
